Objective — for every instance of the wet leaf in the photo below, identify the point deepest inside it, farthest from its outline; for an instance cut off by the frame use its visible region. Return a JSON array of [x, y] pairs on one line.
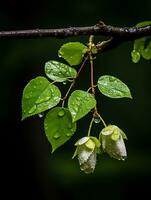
[[58, 71], [73, 52], [39, 95], [80, 103], [58, 126], [112, 87]]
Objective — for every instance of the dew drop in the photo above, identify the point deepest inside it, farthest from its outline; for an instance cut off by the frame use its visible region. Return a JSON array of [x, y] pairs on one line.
[[48, 70], [61, 113], [64, 82], [56, 136], [59, 56], [28, 95], [40, 115], [97, 120], [123, 158], [32, 109], [42, 100]]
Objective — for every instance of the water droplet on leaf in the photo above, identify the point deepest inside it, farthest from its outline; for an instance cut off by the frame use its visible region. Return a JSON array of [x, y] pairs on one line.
[[41, 114], [64, 82], [41, 100], [56, 136], [61, 113]]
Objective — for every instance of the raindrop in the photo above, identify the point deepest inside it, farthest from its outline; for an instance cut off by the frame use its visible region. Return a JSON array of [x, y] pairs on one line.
[[28, 95], [32, 109], [56, 136], [61, 113], [64, 82], [123, 158], [97, 120], [42, 100], [40, 115], [59, 56]]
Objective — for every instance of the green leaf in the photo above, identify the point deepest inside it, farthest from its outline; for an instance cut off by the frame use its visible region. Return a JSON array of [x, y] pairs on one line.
[[73, 52], [58, 126], [58, 71], [112, 87], [80, 103], [142, 46], [39, 95], [135, 56], [145, 23]]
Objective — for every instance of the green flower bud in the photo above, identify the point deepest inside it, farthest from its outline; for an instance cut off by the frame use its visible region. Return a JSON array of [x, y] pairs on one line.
[[112, 139], [87, 148]]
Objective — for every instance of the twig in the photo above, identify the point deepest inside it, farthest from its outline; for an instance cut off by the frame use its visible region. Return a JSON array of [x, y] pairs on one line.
[[124, 33], [73, 82]]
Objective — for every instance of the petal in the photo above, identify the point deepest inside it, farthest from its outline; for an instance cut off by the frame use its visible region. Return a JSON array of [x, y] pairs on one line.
[[115, 149], [89, 166], [84, 155], [82, 141]]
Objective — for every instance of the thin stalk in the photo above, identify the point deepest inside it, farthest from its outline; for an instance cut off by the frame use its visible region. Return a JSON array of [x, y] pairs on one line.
[[74, 80], [90, 126], [92, 74], [102, 120], [95, 112]]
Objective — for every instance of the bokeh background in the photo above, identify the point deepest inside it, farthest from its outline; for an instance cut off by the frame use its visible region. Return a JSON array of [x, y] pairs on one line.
[[29, 171]]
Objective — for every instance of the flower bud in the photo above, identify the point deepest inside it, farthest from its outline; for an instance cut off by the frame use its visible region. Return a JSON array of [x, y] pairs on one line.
[[87, 148], [112, 139]]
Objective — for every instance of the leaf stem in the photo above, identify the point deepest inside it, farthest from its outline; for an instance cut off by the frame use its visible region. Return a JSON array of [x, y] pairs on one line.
[[90, 126], [92, 88], [91, 63], [102, 120], [74, 80]]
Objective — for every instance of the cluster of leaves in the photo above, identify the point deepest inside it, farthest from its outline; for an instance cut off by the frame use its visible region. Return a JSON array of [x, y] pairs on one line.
[[40, 95], [60, 123], [142, 46]]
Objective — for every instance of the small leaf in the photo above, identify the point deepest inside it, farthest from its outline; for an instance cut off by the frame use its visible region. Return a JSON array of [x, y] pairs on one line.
[[142, 46], [73, 52], [80, 103], [135, 56], [96, 141], [112, 87], [59, 127], [39, 95], [58, 71], [146, 53]]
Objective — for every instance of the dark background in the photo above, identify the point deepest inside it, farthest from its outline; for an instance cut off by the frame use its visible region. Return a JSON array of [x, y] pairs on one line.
[[29, 171]]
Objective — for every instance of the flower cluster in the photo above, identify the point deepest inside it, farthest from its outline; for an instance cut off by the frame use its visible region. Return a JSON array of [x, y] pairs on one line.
[[111, 141]]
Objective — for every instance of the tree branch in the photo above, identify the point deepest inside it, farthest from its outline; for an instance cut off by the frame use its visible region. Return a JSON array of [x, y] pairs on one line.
[[98, 29], [117, 35]]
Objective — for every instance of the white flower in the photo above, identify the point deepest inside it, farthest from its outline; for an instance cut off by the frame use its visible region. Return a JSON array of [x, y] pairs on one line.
[[87, 148], [112, 139]]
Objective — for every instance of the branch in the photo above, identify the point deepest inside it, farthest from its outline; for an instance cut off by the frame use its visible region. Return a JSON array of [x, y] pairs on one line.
[[117, 35], [98, 29]]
